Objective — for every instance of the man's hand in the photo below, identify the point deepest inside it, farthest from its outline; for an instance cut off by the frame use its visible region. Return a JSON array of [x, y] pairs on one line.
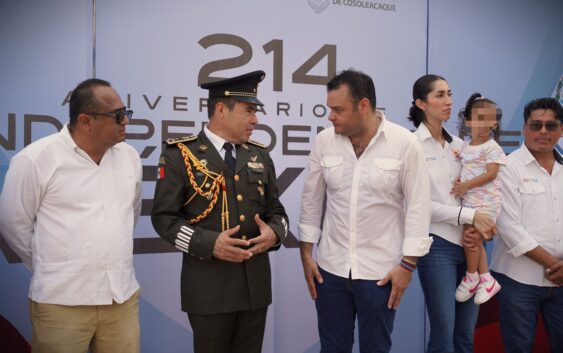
[[228, 249], [400, 279], [555, 273], [484, 225], [265, 240], [310, 268]]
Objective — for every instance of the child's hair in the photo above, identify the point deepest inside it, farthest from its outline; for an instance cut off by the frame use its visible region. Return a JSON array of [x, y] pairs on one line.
[[476, 100]]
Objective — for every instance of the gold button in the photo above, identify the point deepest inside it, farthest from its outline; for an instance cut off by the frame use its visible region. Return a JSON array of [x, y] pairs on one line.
[[239, 197], [242, 218], [244, 237], [237, 177]]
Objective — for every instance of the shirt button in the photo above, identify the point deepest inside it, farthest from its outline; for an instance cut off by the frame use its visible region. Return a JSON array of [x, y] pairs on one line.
[[242, 218], [239, 197], [237, 177]]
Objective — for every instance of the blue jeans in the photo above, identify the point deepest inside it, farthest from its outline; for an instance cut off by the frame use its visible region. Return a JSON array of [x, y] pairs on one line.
[[339, 301], [452, 324], [519, 306]]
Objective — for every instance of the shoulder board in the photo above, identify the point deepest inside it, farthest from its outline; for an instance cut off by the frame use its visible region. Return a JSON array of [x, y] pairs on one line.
[[176, 140], [257, 144]]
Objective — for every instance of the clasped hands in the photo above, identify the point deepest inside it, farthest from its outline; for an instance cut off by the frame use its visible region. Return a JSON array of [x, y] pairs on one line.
[[230, 249]]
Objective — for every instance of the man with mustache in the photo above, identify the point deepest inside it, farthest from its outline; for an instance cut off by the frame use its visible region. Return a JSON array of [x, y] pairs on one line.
[[68, 208], [528, 253], [216, 200]]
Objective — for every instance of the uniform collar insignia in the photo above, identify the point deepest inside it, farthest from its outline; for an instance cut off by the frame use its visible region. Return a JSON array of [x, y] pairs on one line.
[[202, 148]]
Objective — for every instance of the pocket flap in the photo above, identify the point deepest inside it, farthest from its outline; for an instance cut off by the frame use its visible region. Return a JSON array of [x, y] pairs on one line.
[[387, 163], [331, 161], [531, 188]]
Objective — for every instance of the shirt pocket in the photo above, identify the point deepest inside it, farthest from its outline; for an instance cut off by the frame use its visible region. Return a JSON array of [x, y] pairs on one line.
[[332, 170], [533, 197], [384, 173]]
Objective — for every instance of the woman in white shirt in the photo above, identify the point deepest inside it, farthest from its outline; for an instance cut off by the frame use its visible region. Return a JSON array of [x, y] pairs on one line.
[[452, 324]]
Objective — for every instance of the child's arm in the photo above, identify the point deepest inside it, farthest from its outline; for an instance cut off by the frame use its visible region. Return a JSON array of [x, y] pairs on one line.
[[459, 189]]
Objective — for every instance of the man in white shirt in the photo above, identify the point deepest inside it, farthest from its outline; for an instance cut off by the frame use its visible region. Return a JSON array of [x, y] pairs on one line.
[[68, 208], [528, 253], [377, 217]]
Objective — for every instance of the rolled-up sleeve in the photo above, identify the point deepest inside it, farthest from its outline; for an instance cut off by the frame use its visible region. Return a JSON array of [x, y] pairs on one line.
[[312, 198], [509, 223], [416, 188]]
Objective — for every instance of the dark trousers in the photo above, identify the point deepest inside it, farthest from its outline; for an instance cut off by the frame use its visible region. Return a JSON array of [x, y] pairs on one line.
[[519, 305], [236, 332], [340, 301]]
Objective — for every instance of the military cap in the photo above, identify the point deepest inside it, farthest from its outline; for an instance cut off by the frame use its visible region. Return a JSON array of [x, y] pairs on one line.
[[243, 88]]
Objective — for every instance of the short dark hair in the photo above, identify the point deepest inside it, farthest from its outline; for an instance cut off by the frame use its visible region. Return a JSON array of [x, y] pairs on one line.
[[476, 100], [360, 85], [82, 98], [212, 102], [420, 90], [547, 103]]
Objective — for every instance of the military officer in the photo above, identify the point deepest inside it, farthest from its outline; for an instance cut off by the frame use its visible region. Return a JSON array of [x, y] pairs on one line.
[[216, 200]]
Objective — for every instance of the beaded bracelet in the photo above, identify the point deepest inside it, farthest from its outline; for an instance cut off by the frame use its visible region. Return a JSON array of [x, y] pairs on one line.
[[408, 265]]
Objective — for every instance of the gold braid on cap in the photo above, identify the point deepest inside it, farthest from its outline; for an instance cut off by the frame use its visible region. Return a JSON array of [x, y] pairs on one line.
[[213, 192]]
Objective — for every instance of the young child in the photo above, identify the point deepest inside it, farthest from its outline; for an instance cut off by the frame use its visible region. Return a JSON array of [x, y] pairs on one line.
[[481, 159]]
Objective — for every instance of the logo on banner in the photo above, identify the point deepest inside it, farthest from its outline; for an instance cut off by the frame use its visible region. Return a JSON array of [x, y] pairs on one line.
[[318, 5], [321, 5]]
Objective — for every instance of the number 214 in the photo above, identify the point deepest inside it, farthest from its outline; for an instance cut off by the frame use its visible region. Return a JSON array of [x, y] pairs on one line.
[[275, 46]]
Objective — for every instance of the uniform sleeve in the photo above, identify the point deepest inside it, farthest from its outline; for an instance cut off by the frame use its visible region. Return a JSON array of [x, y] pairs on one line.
[[509, 224], [167, 218], [312, 198], [19, 203], [416, 189], [275, 214]]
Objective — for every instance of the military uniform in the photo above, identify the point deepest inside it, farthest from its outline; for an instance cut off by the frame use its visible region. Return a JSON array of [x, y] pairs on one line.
[[211, 286]]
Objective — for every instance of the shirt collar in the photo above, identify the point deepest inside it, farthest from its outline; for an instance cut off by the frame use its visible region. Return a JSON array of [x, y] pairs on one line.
[[67, 138], [529, 157], [424, 133], [383, 127], [216, 140]]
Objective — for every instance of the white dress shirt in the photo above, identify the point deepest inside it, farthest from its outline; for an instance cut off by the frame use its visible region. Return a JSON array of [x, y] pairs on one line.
[[218, 142], [71, 221], [377, 206], [444, 167], [531, 216]]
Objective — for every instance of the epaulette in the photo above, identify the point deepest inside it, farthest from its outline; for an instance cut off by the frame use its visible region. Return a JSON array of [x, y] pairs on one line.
[[257, 144], [173, 141]]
